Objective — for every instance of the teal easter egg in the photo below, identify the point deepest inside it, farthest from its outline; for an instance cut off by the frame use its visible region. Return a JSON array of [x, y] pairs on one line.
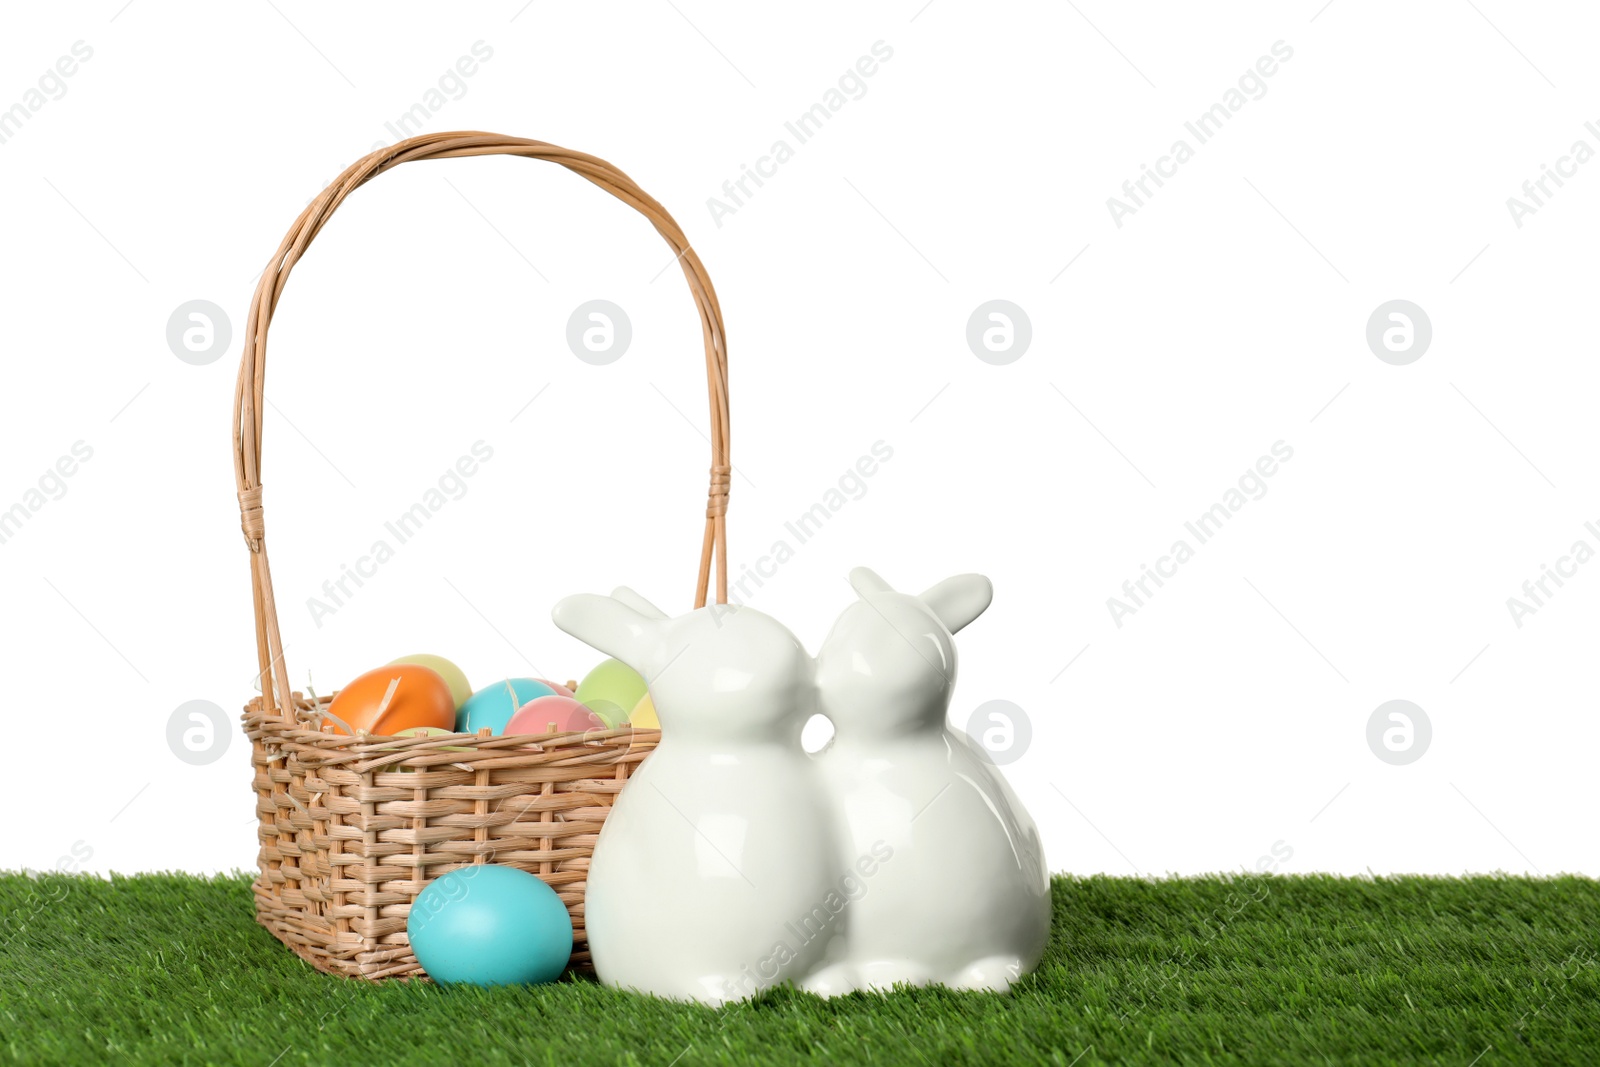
[[490, 925], [493, 705]]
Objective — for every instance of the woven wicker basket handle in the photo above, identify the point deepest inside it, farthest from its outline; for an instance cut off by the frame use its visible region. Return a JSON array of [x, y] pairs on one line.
[[247, 403]]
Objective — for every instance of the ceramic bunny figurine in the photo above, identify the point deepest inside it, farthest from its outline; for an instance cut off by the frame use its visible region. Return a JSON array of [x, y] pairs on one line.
[[964, 899], [711, 877]]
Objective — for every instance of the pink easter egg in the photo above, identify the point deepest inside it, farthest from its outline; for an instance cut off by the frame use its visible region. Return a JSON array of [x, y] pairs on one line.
[[535, 717]]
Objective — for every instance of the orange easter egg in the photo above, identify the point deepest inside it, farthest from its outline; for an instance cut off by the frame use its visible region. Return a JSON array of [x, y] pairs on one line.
[[394, 698]]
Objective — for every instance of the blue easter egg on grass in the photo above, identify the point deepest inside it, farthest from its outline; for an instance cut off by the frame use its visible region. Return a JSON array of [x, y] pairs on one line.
[[490, 925], [493, 705]]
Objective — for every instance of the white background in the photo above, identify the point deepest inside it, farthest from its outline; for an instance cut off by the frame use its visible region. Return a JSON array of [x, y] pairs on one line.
[[1225, 717]]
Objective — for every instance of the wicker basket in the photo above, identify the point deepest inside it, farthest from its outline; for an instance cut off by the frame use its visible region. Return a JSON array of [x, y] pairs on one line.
[[352, 829]]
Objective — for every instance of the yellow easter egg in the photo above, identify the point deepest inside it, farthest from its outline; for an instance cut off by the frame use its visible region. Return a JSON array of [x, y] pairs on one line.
[[644, 714], [453, 676]]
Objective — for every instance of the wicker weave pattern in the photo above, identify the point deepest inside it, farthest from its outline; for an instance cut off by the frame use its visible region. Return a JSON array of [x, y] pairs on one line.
[[352, 829]]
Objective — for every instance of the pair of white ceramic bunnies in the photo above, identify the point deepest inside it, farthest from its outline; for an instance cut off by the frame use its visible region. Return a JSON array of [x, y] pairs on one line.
[[735, 861]]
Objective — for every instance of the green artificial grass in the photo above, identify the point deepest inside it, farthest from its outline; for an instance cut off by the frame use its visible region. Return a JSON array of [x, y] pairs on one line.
[[1267, 969]]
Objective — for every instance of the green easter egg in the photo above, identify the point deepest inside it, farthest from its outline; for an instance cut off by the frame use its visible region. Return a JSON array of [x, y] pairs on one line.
[[429, 731], [453, 676], [611, 691], [426, 731]]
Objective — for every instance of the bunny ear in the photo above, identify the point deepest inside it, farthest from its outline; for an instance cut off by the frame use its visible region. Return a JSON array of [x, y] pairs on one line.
[[865, 582], [612, 627], [629, 598], [959, 600]]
